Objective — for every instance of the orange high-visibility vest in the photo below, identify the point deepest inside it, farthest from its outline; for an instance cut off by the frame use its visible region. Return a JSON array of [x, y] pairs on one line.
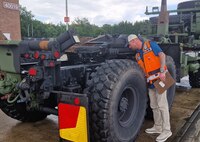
[[150, 62]]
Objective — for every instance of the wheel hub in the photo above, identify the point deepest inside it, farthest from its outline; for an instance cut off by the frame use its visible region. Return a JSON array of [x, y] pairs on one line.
[[123, 106], [127, 107]]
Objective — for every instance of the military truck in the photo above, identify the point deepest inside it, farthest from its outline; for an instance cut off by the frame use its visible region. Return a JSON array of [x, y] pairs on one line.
[[179, 31], [98, 91]]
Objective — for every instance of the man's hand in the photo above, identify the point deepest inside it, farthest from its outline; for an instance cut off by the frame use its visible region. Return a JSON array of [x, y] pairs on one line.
[[162, 76]]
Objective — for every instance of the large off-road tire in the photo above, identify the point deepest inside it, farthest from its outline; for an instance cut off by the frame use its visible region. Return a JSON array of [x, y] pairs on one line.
[[171, 91], [172, 70], [18, 111], [186, 5], [194, 79], [118, 100], [173, 19]]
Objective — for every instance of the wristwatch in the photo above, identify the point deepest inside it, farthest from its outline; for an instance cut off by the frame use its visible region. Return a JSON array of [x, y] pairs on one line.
[[162, 70]]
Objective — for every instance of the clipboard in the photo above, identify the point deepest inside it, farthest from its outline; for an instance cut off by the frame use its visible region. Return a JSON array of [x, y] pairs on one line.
[[161, 86]]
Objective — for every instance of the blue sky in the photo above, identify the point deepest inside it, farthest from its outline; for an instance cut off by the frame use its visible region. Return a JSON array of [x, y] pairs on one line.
[[98, 12]]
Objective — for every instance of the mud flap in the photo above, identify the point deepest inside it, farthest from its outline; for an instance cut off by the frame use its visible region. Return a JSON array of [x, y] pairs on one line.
[[73, 117]]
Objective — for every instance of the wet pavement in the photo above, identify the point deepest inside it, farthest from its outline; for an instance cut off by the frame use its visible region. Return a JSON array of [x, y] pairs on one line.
[[47, 130]]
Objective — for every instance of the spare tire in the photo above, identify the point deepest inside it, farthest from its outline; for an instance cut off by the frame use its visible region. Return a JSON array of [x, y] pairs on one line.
[[173, 19], [117, 92], [188, 4]]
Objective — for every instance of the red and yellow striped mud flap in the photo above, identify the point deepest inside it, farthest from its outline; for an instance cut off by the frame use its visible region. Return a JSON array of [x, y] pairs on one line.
[[73, 118]]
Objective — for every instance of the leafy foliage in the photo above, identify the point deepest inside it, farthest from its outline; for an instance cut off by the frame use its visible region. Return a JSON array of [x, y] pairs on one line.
[[31, 27]]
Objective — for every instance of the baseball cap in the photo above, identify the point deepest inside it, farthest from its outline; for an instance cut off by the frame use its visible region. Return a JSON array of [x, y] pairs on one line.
[[131, 37]]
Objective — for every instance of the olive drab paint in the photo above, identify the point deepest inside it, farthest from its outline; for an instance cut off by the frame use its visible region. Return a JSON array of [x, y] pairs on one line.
[[9, 66]]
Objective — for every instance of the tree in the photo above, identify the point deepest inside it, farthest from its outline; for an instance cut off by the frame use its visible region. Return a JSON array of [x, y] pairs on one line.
[[84, 28], [81, 26], [142, 27], [26, 18], [31, 27], [107, 29]]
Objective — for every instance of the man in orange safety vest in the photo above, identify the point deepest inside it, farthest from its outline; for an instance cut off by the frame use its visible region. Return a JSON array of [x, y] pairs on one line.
[[151, 59]]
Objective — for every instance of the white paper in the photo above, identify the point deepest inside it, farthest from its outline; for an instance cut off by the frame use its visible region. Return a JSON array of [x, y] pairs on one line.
[[161, 84]]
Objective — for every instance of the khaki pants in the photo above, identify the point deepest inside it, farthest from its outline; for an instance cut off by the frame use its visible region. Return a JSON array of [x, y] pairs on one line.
[[159, 105]]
